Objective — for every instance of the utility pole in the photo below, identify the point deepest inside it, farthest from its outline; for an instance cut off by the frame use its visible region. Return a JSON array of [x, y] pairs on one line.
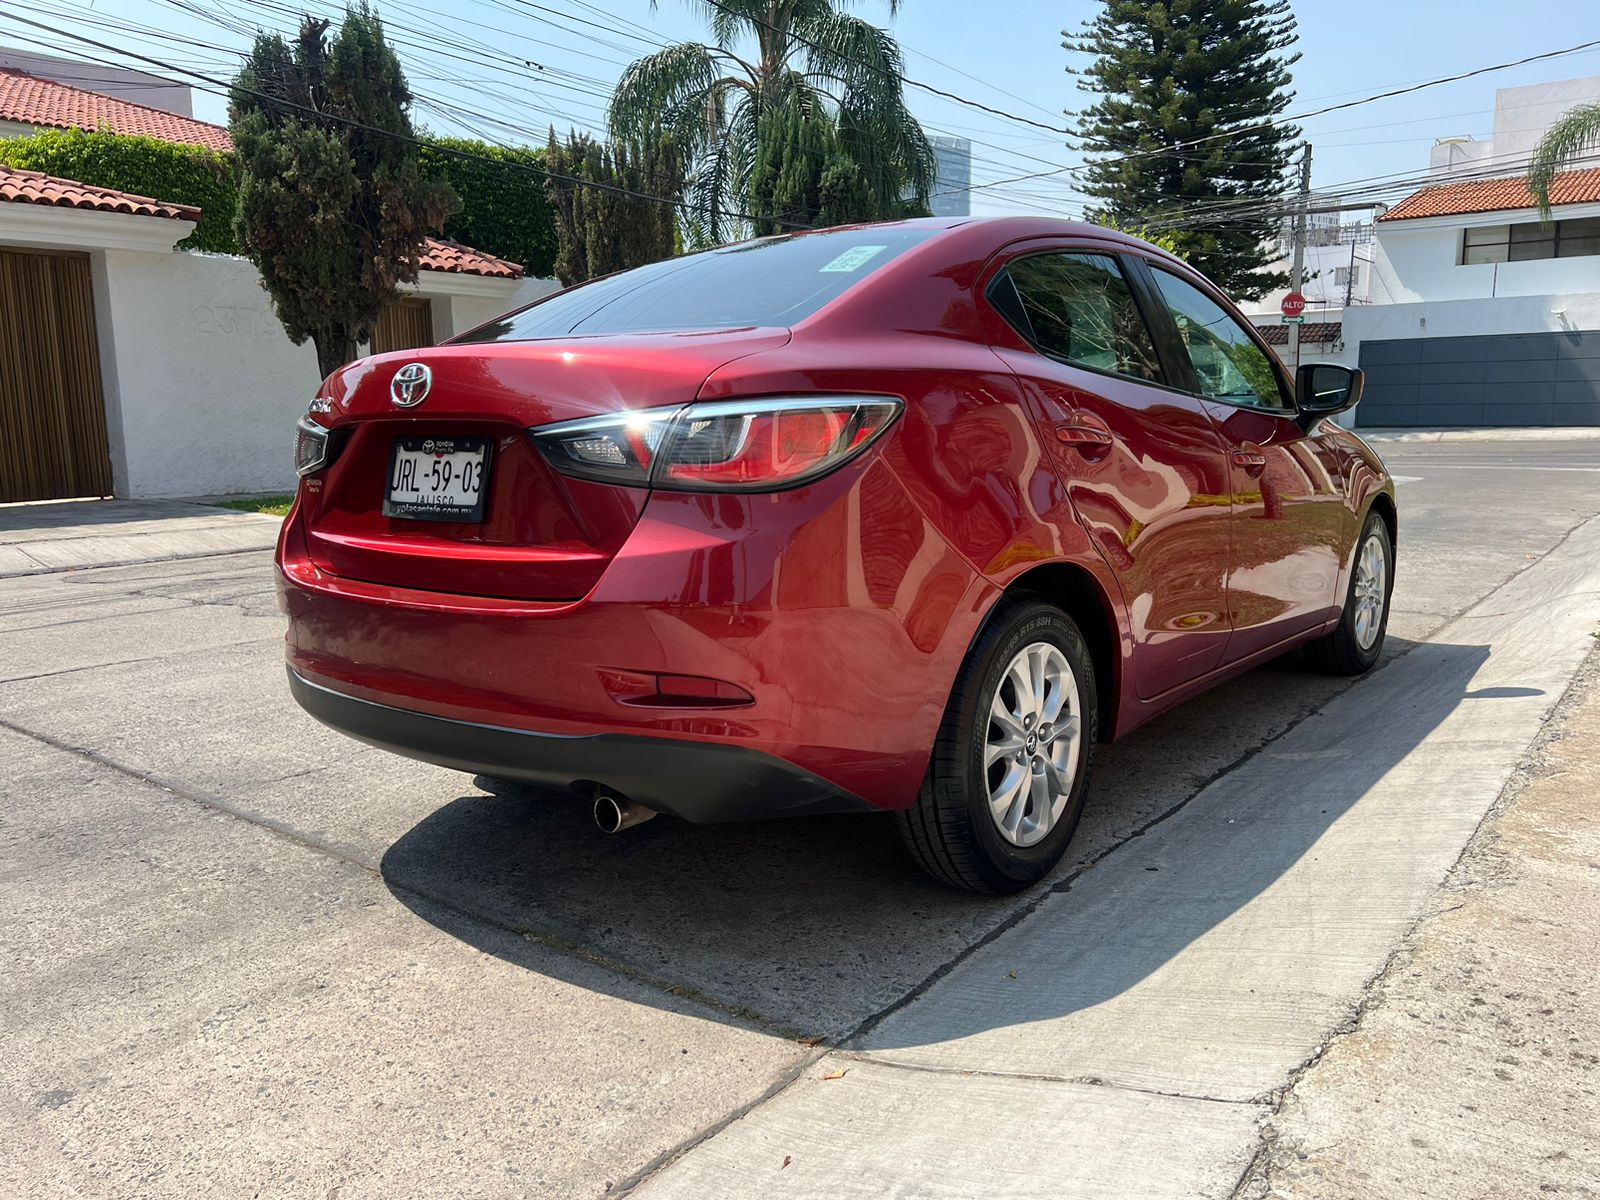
[[1297, 276]]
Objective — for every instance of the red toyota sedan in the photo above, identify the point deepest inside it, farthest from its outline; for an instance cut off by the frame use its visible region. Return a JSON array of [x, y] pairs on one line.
[[900, 517]]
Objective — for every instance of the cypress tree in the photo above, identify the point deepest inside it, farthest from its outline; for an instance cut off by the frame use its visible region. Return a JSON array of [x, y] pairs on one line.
[[600, 230], [333, 207], [1172, 73]]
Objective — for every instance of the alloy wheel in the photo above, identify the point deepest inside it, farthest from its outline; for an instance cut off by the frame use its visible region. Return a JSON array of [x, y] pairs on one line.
[[1371, 589], [1030, 755]]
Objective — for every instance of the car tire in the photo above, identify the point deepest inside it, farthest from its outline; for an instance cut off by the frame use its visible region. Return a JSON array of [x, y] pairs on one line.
[[966, 828], [1356, 643]]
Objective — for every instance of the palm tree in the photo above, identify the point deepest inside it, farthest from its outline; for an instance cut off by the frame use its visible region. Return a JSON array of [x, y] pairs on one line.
[[1576, 135], [807, 57]]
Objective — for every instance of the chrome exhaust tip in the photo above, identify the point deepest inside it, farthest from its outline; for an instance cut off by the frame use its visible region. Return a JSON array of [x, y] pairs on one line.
[[614, 813]]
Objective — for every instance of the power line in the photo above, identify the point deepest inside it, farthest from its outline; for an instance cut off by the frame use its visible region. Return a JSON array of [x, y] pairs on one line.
[[221, 88]]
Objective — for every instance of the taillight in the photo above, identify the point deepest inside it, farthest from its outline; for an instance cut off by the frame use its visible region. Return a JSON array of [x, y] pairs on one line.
[[310, 446], [726, 445]]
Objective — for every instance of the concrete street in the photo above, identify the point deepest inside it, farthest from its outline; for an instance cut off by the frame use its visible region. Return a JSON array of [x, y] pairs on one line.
[[247, 956]]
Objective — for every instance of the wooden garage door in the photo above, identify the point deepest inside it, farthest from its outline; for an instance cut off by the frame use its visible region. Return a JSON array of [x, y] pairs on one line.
[[403, 325], [52, 413]]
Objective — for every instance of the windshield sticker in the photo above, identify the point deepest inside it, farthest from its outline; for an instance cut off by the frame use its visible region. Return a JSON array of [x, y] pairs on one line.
[[854, 259]]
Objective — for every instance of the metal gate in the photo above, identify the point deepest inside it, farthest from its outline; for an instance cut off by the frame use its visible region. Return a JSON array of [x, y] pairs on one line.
[[1489, 380], [52, 411], [403, 324]]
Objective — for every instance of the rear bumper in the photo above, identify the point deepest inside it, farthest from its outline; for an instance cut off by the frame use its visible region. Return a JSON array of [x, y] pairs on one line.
[[703, 782]]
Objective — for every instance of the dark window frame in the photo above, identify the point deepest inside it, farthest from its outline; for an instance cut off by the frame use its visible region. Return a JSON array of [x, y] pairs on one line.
[[1006, 302], [1551, 235], [1172, 342]]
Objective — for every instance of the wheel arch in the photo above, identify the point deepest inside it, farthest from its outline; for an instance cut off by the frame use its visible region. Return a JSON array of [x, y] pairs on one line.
[[1076, 591], [1383, 504]]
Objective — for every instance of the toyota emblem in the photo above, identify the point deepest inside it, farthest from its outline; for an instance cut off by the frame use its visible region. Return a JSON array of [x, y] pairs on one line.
[[410, 385]]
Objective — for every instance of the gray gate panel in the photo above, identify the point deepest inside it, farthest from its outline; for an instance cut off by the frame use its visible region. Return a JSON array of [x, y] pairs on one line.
[[1494, 380]]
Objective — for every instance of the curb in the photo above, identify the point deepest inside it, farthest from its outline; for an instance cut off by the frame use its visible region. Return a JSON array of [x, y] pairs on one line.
[[1587, 433]]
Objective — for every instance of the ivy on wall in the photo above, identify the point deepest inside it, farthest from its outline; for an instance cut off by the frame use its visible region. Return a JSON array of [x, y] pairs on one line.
[[144, 166], [503, 207], [504, 211]]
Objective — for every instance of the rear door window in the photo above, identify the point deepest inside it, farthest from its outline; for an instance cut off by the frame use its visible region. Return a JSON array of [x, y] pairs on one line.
[[774, 281], [1078, 308]]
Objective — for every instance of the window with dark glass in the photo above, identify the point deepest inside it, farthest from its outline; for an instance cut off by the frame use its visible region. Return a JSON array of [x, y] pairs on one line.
[[772, 281], [1228, 363], [1530, 240], [1080, 309]]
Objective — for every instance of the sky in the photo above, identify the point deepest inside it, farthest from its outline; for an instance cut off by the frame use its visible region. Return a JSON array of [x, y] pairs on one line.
[[506, 70]]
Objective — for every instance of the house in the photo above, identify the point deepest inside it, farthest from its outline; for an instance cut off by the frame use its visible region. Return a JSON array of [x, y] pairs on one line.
[[131, 368], [1337, 274], [1481, 313], [1486, 314]]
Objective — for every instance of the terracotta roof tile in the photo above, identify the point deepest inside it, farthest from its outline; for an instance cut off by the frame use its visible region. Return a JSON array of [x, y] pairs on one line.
[[29, 100], [457, 259], [1312, 333], [30, 187], [1493, 195]]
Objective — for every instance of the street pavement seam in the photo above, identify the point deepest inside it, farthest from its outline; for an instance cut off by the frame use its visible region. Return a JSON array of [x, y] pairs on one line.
[[121, 662], [353, 857], [1038, 1077], [165, 558]]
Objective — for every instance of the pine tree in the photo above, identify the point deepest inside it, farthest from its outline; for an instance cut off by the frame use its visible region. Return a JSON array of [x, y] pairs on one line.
[[1174, 73], [333, 209]]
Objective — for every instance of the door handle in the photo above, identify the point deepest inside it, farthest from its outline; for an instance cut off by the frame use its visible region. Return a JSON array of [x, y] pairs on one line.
[[1091, 441], [1251, 462]]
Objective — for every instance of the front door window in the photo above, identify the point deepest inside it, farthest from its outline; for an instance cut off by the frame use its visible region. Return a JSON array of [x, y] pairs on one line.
[[1228, 363]]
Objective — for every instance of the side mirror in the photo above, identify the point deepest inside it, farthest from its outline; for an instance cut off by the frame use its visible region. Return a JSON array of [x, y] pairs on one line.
[[1323, 389]]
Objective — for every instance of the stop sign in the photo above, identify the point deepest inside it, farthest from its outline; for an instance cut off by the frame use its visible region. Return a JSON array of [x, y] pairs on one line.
[[1294, 304]]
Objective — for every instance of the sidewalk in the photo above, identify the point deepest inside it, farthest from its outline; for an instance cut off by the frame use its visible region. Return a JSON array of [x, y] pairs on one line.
[[74, 534], [1584, 433], [1474, 1068], [1133, 1032]]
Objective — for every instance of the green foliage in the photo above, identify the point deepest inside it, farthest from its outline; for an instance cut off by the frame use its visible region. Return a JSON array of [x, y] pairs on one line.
[[504, 210], [805, 174], [1576, 135], [141, 165], [333, 206], [807, 63], [603, 229], [1171, 74], [1169, 240]]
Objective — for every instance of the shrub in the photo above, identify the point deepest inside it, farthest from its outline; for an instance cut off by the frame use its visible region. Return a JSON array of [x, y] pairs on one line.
[[504, 210]]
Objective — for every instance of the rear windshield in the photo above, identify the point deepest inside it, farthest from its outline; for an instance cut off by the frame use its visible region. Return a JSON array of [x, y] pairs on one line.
[[773, 281]]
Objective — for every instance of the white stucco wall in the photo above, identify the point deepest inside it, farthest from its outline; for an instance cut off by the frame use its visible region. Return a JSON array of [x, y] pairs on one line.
[[1419, 259], [203, 386], [1522, 114], [1473, 318]]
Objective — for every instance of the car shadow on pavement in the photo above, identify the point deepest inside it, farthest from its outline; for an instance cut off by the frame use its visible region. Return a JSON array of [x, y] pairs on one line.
[[810, 926]]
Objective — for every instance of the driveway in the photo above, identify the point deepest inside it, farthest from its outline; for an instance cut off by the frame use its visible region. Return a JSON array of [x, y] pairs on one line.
[[248, 955]]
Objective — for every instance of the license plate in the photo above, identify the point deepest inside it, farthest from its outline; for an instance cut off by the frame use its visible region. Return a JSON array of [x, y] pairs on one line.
[[437, 479]]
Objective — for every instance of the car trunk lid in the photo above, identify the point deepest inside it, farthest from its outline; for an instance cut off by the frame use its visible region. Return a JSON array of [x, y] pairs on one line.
[[543, 536]]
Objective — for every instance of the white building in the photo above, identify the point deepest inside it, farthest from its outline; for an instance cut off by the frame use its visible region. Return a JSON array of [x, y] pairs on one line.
[[1337, 273], [1480, 313], [1483, 313], [1521, 115], [952, 184], [131, 368]]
